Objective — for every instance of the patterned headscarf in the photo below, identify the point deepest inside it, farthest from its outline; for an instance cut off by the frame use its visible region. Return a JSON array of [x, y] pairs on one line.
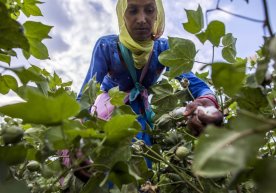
[[140, 50]]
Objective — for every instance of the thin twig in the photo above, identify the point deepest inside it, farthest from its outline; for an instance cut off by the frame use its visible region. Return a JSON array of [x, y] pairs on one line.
[[176, 170], [241, 16], [267, 21]]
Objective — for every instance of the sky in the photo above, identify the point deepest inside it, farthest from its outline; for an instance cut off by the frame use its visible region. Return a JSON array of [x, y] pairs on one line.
[[79, 23]]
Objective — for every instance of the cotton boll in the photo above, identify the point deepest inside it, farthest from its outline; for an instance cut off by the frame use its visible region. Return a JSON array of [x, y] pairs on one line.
[[210, 110], [178, 111]]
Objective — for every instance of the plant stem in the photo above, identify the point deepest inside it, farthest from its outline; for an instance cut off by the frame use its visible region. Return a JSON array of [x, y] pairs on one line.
[[178, 182], [177, 171]]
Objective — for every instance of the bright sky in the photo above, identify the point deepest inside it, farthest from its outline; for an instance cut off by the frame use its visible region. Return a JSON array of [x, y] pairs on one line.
[[79, 23]]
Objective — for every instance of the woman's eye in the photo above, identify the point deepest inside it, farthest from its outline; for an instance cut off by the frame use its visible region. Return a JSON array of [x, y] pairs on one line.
[[132, 11], [150, 10]]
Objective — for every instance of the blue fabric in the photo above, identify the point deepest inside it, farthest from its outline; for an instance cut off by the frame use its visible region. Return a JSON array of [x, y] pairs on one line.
[[110, 72], [106, 64]]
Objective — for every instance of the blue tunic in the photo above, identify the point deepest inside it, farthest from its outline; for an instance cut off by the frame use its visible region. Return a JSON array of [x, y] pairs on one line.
[[106, 64], [110, 72]]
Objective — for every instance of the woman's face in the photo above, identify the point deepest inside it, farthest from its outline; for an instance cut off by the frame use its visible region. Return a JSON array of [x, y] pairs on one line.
[[139, 18]]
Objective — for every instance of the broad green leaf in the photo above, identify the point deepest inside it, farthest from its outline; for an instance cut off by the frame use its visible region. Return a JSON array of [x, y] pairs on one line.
[[7, 83], [11, 32], [215, 31], [122, 110], [38, 49], [249, 120], [40, 109], [220, 151], [110, 154], [89, 93], [265, 176], [26, 75], [14, 186], [73, 128], [261, 70], [120, 174], [229, 54], [55, 81], [57, 140], [202, 37], [120, 127], [13, 155], [35, 33], [195, 20], [65, 84], [29, 8], [229, 40], [228, 76], [252, 99], [229, 51], [5, 58], [139, 167], [180, 56], [93, 184], [163, 96], [117, 97]]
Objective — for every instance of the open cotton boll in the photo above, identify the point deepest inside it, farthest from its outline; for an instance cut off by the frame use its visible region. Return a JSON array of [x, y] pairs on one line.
[[178, 111], [210, 110]]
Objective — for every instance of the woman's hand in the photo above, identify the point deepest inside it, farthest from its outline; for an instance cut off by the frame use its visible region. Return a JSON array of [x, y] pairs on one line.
[[202, 111]]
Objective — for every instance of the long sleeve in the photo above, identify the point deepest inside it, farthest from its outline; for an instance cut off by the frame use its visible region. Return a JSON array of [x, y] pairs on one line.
[[98, 65], [197, 86]]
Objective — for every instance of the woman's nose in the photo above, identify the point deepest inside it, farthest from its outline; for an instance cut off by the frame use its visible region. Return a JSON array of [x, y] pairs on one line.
[[141, 18]]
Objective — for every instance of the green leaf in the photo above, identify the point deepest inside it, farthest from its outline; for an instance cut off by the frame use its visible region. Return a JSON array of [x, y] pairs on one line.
[[13, 155], [265, 176], [229, 54], [229, 51], [40, 109], [122, 110], [93, 184], [202, 37], [89, 93], [7, 83], [117, 97], [215, 31], [261, 70], [29, 8], [38, 49], [229, 40], [11, 32], [220, 151], [120, 127], [35, 33], [5, 58], [252, 99], [249, 120], [120, 174], [14, 186], [163, 96], [195, 20], [180, 56], [57, 140], [26, 75], [228, 76]]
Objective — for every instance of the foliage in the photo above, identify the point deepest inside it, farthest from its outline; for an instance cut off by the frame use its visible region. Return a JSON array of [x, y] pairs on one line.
[[41, 133]]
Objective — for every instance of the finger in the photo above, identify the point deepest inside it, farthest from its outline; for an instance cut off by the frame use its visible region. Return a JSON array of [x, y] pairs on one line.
[[195, 125], [190, 108]]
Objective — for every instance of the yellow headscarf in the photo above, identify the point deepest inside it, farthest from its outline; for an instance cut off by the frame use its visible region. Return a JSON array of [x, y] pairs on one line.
[[140, 50]]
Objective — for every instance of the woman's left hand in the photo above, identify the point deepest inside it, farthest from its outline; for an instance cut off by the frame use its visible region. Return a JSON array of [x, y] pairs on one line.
[[202, 111]]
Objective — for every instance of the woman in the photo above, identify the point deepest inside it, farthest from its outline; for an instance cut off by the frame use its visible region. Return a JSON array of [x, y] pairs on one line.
[[141, 23]]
